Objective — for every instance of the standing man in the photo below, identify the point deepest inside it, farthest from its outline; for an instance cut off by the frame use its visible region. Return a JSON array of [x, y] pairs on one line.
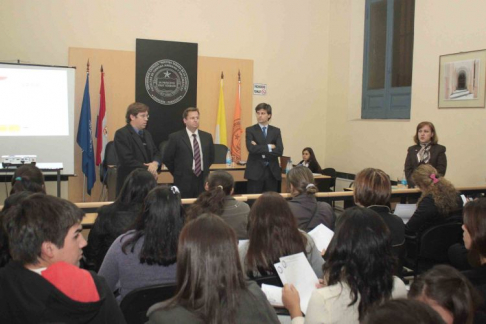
[[189, 154], [43, 283], [264, 144], [134, 145]]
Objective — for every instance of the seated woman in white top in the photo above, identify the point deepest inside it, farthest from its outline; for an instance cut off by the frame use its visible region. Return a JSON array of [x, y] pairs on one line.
[[273, 234], [358, 273]]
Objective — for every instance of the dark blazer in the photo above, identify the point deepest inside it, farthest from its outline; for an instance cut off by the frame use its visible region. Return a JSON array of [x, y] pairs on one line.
[[314, 166], [255, 165], [438, 160], [131, 152], [178, 155]]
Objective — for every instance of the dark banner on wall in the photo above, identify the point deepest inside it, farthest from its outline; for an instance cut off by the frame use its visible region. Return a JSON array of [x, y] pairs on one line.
[[166, 81]]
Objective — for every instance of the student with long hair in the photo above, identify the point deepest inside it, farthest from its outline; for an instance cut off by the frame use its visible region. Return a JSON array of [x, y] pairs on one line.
[[217, 200], [309, 160], [438, 203], [146, 255], [274, 233], [475, 240], [448, 292], [28, 177], [307, 210], [115, 219], [358, 273], [211, 287]]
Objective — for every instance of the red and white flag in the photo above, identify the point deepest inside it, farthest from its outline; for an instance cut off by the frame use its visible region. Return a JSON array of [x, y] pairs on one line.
[[101, 131]]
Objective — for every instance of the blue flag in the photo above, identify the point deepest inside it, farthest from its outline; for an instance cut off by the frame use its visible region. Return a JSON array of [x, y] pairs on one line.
[[85, 140]]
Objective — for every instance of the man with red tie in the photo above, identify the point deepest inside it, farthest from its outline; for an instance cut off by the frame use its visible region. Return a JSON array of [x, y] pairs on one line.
[[189, 154]]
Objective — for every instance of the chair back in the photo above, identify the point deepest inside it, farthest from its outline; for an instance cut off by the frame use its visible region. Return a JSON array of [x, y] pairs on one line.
[[332, 173], [283, 162], [220, 151], [137, 302], [110, 159], [162, 146], [435, 241], [273, 280]]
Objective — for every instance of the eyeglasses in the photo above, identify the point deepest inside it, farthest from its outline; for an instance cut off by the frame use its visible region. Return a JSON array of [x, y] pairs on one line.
[[143, 116]]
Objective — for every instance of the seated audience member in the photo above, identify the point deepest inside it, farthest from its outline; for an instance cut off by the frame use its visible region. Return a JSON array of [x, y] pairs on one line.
[[217, 200], [146, 255], [43, 283], [358, 273], [309, 160], [11, 201], [475, 239], [307, 210], [211, 287], [372, 189], [438, 203], [403, 311], [273, 233], [28, 178], [115, 219], [448, 292]]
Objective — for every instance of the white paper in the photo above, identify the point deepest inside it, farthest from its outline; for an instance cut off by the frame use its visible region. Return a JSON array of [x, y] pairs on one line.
[[405, 211], [274, 294], [298, 272], [322, 236], [464, 200]]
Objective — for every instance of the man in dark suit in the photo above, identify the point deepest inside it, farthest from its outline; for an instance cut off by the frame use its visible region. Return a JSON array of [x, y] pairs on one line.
[[264, 144], [189, 154], [134, 145]]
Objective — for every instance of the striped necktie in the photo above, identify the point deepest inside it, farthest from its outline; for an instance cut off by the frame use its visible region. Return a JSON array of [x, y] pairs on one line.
[[197, 156], [264, 131]]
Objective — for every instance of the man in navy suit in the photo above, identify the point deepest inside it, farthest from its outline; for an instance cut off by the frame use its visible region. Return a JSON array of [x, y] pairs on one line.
[[189, 154], [264, 144], [134, 145]]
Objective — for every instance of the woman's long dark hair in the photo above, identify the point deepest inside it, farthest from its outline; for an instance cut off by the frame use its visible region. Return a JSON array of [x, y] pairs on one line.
[[313, 164], [136, 187], [209, 274], [220, 185], [28, 178], [273, 233], [360, 255], [159, 223]]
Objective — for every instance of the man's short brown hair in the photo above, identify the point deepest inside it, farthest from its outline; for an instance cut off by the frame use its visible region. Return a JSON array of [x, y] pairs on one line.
[[134, 109], [188, 110]]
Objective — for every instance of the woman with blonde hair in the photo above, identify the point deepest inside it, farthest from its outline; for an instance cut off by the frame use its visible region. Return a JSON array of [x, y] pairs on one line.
[[307, 210], [438, 203]]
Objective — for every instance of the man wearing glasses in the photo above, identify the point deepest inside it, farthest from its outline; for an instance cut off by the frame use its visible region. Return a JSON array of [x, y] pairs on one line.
[[134, 145]]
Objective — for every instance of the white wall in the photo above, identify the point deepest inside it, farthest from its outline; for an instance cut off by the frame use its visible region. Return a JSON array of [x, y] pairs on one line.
[[441, 27]]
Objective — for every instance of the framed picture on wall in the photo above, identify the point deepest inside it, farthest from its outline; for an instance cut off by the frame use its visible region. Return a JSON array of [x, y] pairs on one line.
[[462, 80]]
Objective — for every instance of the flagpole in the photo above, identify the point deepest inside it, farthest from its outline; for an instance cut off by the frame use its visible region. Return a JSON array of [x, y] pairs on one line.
[[84, 178]]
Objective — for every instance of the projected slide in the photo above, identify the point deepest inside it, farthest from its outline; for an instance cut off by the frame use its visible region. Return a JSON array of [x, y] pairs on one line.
[[33, 102]]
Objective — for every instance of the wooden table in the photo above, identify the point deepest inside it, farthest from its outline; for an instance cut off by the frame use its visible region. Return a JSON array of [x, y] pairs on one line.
[[237, 171]]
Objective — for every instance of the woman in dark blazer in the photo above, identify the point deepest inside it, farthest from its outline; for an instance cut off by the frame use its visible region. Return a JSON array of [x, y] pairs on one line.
[[309, 160], [426, 151]]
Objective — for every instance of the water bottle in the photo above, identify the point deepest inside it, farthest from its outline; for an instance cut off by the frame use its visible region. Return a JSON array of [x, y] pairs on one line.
[[229, 161], [404, 181]]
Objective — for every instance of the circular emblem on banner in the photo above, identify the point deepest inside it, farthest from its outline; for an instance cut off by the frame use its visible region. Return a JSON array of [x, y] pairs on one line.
[[166, 82]]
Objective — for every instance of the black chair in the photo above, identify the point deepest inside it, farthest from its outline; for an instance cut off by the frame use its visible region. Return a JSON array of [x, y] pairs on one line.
[[162, 146], [137, 302], [108, 172], [432, 245], [220, 151], [332, 173]]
